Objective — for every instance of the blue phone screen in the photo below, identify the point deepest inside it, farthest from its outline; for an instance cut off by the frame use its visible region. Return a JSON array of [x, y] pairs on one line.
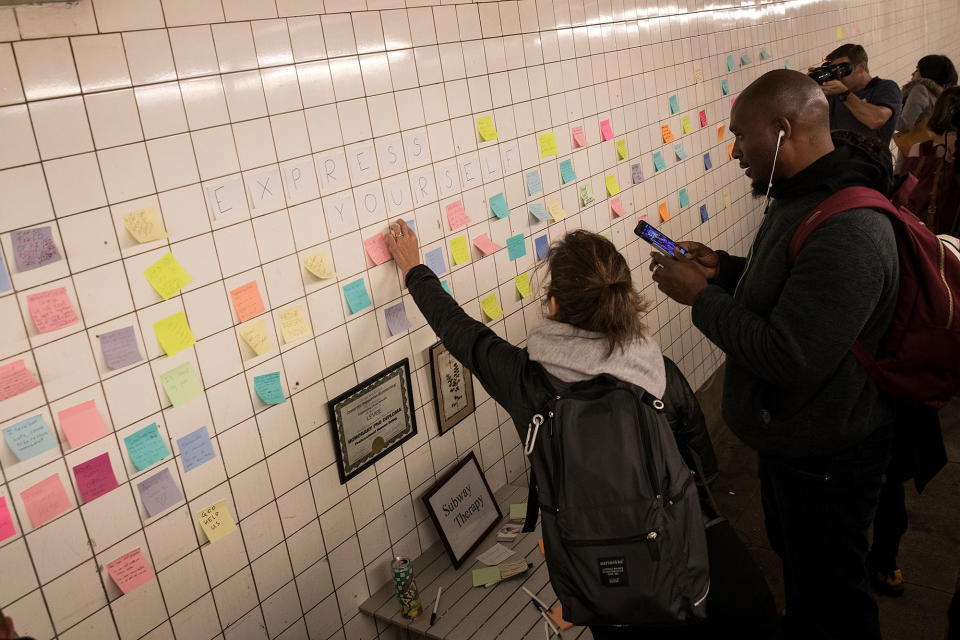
[[659, 240]]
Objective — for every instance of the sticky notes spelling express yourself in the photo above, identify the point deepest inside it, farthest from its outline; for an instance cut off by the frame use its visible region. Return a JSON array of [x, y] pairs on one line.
[[15, 379], [548, 144], [82, 423], [268, 388], [216, 521], [144, 225], [146, 447], [246, 300], [119, 348], [181, 384], [51, 310], [95, 477], [166, 276], [173, 333]]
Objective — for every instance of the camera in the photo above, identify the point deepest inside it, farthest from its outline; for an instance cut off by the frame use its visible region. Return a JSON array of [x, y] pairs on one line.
[[827, 72]]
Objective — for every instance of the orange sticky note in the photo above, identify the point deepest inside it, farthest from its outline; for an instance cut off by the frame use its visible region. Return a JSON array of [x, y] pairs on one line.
[[730, 151], [376, 248], [15, 379], [82, 424], [666, 133], [247, 302], [664, 214], [51, 310], [130, 571], [45, 500], [720, 133]]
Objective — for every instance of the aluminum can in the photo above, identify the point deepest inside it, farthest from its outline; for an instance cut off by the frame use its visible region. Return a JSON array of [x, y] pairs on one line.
[[406, 586]]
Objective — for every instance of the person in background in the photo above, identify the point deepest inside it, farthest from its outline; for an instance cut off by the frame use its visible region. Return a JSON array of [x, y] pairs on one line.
[[932, 75], [7, 632], [861, 102]]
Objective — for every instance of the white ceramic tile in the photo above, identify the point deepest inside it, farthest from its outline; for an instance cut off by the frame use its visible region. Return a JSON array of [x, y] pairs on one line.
[[126, 172], [19, 146], [114, 118], [101, 63], [338, 35], [272, 41], [149, 56], [61, 127], [172, 161], [281, 89], [161, 109], [244, 94], [46, 68], [128, 15], [203, 99], [215, 151], [306, 38], [193, 51], [10, 89], [179, 13], [235, 48], [75, 183], [52, 20], [249, 9]]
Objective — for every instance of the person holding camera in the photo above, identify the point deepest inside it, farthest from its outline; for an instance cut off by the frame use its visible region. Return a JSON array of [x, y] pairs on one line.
[[858, 101]]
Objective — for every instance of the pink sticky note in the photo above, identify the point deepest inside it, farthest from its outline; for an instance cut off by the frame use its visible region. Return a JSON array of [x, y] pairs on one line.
[[579, 137], [617, 207], [15, 379], [45, 500], [703, 118], [130, 571], [95, 477], [856, 29], [7, 530], [457, 215], [82, 424], [51, 310], [377, 248], [642, 216], [485, 244], [606, 131], [732, 100]]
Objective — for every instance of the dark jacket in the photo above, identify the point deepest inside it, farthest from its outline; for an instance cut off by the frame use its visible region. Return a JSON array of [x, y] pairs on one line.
[[792, 387]]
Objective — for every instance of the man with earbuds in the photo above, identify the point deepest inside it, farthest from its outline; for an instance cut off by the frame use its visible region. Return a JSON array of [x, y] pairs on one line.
[[792, 389]]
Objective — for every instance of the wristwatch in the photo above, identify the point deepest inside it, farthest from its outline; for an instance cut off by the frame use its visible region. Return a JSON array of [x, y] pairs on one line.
[[843, 96]]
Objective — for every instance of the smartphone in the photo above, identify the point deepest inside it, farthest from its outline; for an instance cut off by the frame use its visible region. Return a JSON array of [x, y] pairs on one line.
[[656, 238]]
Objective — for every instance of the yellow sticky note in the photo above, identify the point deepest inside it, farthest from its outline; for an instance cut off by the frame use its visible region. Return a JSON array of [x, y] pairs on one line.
[[622, 150], [664, 214], [319, 265], [697, 74], [491, 306], [839, 33], [216, 521], [556, 210], [255, 334], [166, 276], [174, 333], [548, 144], [460, 250], [685, 124], [523, 285], [145, 225], [486, 129], [293, 324], [726, 199], [612, 187]]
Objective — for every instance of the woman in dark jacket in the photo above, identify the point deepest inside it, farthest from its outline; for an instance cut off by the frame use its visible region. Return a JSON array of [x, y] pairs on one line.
[[594, 326]]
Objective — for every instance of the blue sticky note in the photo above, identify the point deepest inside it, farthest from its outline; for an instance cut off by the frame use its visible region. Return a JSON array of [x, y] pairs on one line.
[[534, 186], [658, 161], [159, 492], [745, 58], [678, 149], [516, 246], [763, 54], [567, 174], [412, 225], [704, 216], [731, 64], [674, 104], [684, 198], [636, 172], [538, 211], [4, 276], [268, 388], [707, 163], [725, 87], [498, 204], [29, 437], [146, 447], [434, 260], [446, 286], [195, 449], [357, 297], [542, 245]]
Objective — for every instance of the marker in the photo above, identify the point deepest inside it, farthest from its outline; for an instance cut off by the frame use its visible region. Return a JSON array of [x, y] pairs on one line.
[[436, 603], [542, 608]]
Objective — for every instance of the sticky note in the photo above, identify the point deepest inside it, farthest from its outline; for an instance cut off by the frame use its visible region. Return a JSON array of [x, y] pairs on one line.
[[268, 388], [195, 449], [730, 151], [731, 63], [548, 144], [95, 477], [456, 215], [522, 282], [491, 306], [144, 225], [697, 74], [606, 131], [174, 333], [486, 576], [82, 423], [763, 54], [159, 492], [567, 174], [376, 248], [516, 246], [30, 437], [498, 204], [579, 138], [726, 198], [357, 297], [518, 511], [745, 58], [459, 250], [34, 248], [534, 185], [216, 521], [4, 276], [707, 163], [15, 379], [256, 336], [666, 134], [617, 207], [658, 162], [486, 129], [586, 194], [446, 286], [636, 173], [538, 211], [680, 153], [486, 245], [119, 348], [7, 530], [181, 384], [51, 310], [685, 124], [434, 260], [166, 276], [703, 118], [130, 571], [319, 264], [396, 317], [725, 87], [612, 187], [674, 104], [542, 245], [293, 324], [146, 447], [856, 29], [45, 500], [662, 209], [684, 198], [704, 216], [721, 132], [622, 150], [839, 33], [786, 64], [247, 302]]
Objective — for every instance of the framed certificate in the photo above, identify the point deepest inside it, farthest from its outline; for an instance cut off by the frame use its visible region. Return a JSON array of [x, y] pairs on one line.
[[462, 508], [452, 388], [372, 419]]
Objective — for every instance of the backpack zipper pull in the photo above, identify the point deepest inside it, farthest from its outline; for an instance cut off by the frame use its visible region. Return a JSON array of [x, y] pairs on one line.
[[652, 544], [531, 440], [550, 415]]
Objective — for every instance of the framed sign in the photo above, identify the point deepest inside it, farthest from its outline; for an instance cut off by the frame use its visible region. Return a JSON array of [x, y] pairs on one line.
[[452, 388], [372, 419], [462, 508]]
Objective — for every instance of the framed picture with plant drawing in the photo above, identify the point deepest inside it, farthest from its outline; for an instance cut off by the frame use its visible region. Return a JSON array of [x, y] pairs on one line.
[[452, 388]]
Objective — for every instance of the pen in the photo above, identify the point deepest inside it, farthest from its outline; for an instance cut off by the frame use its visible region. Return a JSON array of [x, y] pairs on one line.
[[436, 603], [542, 608]]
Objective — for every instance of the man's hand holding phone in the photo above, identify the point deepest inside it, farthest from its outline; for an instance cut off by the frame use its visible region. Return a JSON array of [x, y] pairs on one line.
[[685, 275], [701, 255]]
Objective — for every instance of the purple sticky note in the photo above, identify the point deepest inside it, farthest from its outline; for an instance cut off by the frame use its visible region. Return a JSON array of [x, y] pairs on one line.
[[542, 244], [637, 173], [195, 449], [159, 492], [434, 260], [397, 320], [120, 348], [95, 477], [33, 248]]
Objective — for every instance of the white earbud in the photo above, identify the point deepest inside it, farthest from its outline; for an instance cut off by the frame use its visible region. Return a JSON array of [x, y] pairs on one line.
[[776, 152], [780, 136]]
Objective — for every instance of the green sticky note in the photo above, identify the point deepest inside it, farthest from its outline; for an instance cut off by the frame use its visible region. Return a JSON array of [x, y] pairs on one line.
[[516, 246], [731, 64], [446, 286], [269, 389], [674, 104], [586, 194], [786, 64], [498, 204], [486, 576], [725, 87], [518, 511], [181, 384], [357, 297], [684, 198], [658, 162], [146, 447], [567, 174]]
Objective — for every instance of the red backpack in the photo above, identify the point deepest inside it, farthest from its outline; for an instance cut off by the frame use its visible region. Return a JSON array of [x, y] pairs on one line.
[[919, 357]]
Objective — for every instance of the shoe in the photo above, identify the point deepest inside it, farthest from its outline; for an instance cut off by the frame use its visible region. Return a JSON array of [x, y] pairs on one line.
[[888, 583]]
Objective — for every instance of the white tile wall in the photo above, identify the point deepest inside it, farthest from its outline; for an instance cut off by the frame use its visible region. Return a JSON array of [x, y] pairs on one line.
[[303, 113]]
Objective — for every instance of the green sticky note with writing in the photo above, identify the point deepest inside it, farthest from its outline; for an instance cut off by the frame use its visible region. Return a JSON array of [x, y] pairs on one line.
[[567, 174], [516, 246], [146, 447], [684, 198], [498, 204], [674, 104], [725, 87], [357, 297], [181, 384], [518, 511], [486, 575], [731, 65]]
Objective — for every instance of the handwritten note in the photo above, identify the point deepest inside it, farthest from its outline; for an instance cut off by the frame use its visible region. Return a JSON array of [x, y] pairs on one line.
[[679, 151], [356, 295], [518, 511], [396, 317], [516, 246], [320, 265], [45, 500], [498, 204], [534, 185], [130, 571], [246, 300], [666, 134], [82, 423], [724, 87], [216, 521], [731, 63], [636, 173], [556, 210], [459, 249], [674, 104], [30, 437], [704, 216], [34, 248], [707, 162], [256, 336], [606, 131], [7, 530], [586, 194], [268, 388], [703, 118], [486, 129], [622, 153], [144, 225], [376, 248], [612, 187], [159, 492], [456, 215], [15, 379], [51, 310], [567, 174], [542, 245], [745, 59], [726, 198], [664, 213], [685, 124], [486, 245], [146, 447], [658, 162], [617, 207], [166, 276], [95, 477], [522, 283], [195, 449], [434, 260], [181, 384], [173, 333], [548, 144], [579, 138], [119, 348], [486, 576], [293, 324], [491, 306], [684, 198], [538, 211]]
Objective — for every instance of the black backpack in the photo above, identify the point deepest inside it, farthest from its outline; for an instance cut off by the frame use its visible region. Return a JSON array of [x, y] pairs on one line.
[[622, 529]]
